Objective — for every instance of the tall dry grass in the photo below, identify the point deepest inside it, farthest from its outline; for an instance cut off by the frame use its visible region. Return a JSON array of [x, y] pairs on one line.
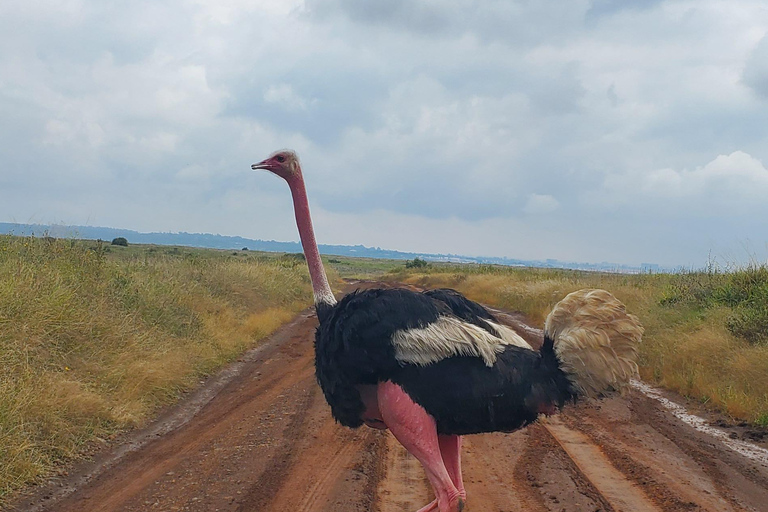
[[704, 336], [93, 340]]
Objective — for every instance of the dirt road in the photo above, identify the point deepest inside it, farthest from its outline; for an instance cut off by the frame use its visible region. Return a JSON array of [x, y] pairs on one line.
[[260, 438]]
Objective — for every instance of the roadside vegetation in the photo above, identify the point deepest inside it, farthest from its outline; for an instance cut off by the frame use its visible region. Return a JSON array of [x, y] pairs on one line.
[[706, 332], [94, 337]]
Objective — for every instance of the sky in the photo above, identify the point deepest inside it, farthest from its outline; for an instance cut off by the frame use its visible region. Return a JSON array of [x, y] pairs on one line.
[[581, 130]]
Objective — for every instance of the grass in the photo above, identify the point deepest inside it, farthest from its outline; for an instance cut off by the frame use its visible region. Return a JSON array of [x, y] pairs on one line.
[[361, 268], [94, 339], [705, 331]]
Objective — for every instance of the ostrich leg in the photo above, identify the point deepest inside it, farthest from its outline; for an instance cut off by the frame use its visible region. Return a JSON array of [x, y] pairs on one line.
[[417, 432], [450, 448]]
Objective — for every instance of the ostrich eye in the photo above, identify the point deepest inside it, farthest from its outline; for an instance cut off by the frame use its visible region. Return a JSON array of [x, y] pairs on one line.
[[280, 158]]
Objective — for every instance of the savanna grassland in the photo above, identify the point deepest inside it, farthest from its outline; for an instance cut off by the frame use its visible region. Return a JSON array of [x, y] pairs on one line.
[[706, 333], [95, 338]]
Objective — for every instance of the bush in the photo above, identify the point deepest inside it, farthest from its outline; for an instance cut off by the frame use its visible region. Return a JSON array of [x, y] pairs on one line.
[[744, 292], [120, 241], [416, 263], [750, 323], [292, 259]]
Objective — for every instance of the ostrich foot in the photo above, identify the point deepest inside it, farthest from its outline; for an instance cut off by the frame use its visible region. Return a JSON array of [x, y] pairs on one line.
[[433, 505], [429, 508], [456, 505]]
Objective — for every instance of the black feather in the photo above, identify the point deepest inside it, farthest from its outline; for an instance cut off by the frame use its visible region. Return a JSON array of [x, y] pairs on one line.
[[353, 344], [353, 347], [463, 308], [467, 397]]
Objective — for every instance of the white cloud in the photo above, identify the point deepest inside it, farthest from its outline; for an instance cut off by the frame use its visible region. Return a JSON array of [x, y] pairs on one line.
[[284, 96], [737, 173], [736, 181], [539, 204]]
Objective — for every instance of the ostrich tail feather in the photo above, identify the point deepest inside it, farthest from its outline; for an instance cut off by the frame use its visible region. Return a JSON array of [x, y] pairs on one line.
[[595, 340]]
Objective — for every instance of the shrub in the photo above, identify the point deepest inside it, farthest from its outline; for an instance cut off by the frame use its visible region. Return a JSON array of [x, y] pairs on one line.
[[416, 263], [750, 323], [744, 292], [120, 241], [292, 260]]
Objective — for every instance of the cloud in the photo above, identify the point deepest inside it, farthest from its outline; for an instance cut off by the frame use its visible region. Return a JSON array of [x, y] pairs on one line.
[[517, 23], [601, 8], [540, 204], [755, 73], [504, 128], [283, 95], [736, 181]]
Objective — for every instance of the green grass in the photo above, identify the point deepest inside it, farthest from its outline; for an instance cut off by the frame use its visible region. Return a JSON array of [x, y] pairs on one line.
[[95, 338], [361, 268], [744, 293]]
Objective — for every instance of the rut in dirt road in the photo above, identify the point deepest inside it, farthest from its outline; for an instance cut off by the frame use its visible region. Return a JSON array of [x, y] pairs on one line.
[[266, 441]]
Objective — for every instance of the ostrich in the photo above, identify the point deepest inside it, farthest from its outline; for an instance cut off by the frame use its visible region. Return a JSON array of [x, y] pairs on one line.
[[434, 366]]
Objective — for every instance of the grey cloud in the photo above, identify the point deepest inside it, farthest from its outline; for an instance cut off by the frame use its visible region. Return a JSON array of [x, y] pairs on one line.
[[337, 99], [602, 8], [755, 73], [558, 93], [522, 22], [420, 16]]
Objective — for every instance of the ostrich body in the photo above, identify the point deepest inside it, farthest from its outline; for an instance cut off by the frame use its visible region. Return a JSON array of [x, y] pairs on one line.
[[434, 366]]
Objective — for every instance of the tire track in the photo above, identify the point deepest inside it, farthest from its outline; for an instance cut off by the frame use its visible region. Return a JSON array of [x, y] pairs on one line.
[[617, 490], [319, 492], [321, 455], [492, 482], [678, 467], [404, 486], [272, 477]]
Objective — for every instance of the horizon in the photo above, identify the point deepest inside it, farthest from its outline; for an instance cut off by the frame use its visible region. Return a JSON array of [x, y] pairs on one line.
[[289, 246], [720, 260], [588, 131]]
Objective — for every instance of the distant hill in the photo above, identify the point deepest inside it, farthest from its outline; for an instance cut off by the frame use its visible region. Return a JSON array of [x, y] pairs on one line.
[[237, 242]]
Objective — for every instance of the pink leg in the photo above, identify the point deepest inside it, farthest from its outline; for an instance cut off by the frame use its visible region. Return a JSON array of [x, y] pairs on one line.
[[417, 432], [450, 449]]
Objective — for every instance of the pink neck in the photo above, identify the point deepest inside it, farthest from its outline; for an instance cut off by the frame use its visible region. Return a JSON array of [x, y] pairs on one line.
[[320, 286]]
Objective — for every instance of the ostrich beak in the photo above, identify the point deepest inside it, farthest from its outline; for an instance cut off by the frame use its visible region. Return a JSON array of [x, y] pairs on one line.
[[261, 165]]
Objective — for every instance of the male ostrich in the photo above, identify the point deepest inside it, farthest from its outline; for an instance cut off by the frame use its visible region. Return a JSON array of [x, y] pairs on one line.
[[434, 366]]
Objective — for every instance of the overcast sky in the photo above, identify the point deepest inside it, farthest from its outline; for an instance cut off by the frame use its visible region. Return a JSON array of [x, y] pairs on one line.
[[605, 130]]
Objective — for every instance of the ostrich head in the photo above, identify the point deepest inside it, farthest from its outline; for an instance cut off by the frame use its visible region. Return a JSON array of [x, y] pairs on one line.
[[284, 163]]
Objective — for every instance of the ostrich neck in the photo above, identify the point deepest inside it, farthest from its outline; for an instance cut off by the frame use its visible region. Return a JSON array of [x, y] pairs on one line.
[[320, 286]]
